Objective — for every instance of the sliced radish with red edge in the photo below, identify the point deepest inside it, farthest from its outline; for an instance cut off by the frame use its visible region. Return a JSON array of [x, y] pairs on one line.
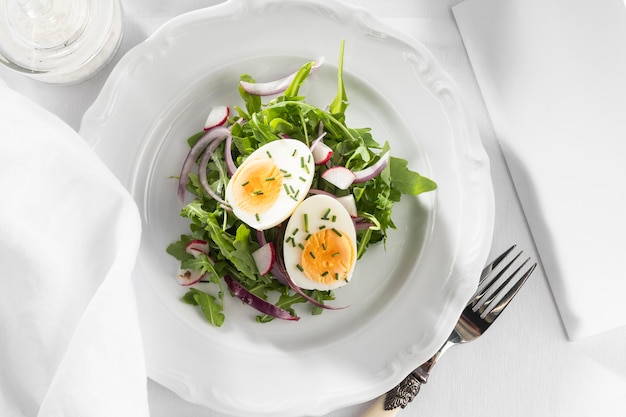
[[187, 277], [340, 177], [321, 153], [197, 246], [217, 117]]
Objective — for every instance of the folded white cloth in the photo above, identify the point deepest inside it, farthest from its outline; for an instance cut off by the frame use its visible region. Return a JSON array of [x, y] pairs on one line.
[[70, 343], [553, 76]]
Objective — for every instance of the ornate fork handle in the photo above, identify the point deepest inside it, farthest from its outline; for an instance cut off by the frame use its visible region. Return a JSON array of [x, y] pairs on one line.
[[403, 393]]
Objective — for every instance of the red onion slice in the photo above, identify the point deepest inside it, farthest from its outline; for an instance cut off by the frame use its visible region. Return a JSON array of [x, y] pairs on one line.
[[256, 302], [203, 142], [228, 156], [278, 86], [202, 170], [373, 170]]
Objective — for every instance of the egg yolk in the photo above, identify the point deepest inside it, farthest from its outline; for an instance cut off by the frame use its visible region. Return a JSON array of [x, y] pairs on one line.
[[257, 185], [327, 256]]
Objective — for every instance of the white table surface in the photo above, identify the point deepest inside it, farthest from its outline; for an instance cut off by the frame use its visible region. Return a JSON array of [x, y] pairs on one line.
[[525, 365]]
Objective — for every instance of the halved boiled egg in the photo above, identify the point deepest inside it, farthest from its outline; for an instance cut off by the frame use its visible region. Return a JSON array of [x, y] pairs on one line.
[[319, 247], [270, 183]]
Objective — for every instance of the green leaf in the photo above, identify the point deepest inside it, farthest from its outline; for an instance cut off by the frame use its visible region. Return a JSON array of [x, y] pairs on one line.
[[212, 310], [407, 181], [252, 102], [296, 83], [340, 103], [178, 248]]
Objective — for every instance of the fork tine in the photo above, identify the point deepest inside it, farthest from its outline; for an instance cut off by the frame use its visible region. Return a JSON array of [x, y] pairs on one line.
[[495, 311], [494, 264], [495, 293], [480, 293]]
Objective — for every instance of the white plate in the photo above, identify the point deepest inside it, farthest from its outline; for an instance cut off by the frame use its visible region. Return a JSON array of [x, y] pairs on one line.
[[403, 300]]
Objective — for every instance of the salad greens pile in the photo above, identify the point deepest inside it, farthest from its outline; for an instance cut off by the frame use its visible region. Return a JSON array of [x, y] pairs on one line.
[[231, 242]]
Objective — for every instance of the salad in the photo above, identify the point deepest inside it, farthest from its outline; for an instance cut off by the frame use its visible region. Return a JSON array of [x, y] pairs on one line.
[[286, 198]]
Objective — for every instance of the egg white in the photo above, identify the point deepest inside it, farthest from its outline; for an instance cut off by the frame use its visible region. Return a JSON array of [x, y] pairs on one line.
[[295, 161], [318, 217]]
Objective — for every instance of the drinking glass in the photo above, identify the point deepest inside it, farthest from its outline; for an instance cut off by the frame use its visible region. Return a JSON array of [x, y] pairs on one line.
[[59, 41]]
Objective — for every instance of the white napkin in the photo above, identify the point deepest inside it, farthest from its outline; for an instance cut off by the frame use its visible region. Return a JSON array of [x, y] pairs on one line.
[[553, 76], [69, 234]]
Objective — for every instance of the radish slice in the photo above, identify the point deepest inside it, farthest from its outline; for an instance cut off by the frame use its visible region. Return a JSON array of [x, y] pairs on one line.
[[373, 170], [264, 258], [217, 117], [270, 88], [256, 302], [321, 153], [349, 203], [187, 277], [197, 246], [340, 177], [190, 159]]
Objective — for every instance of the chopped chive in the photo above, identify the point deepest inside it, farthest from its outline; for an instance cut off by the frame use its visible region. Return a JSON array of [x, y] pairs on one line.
[[302, 165], [324, 273], [294, 152], [292, 190], [257, 192], [296, 230], [302, 179], [312, 255], [322, 227], [269, 155], [306, 168], [306, 222], [309, 159], [336, 276], [335, 254], [346, 279], [294, 198], [296, 194], [245, 183], [337, 232], [256, 215], [333, 219], [307, 237], [286, 188], [287, 175], [324, 246], [300, 267], [300, 245], [284, 171], [270, 179]]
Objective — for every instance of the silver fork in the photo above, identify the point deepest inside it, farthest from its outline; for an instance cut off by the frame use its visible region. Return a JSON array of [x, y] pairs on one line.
[[494, 293]]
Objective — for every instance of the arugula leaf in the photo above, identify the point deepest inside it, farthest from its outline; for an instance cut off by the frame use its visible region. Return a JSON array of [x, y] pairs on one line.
[[252, 102], [178, 248], [212, 310], [407, 181], [340, 103], [301, 76]]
